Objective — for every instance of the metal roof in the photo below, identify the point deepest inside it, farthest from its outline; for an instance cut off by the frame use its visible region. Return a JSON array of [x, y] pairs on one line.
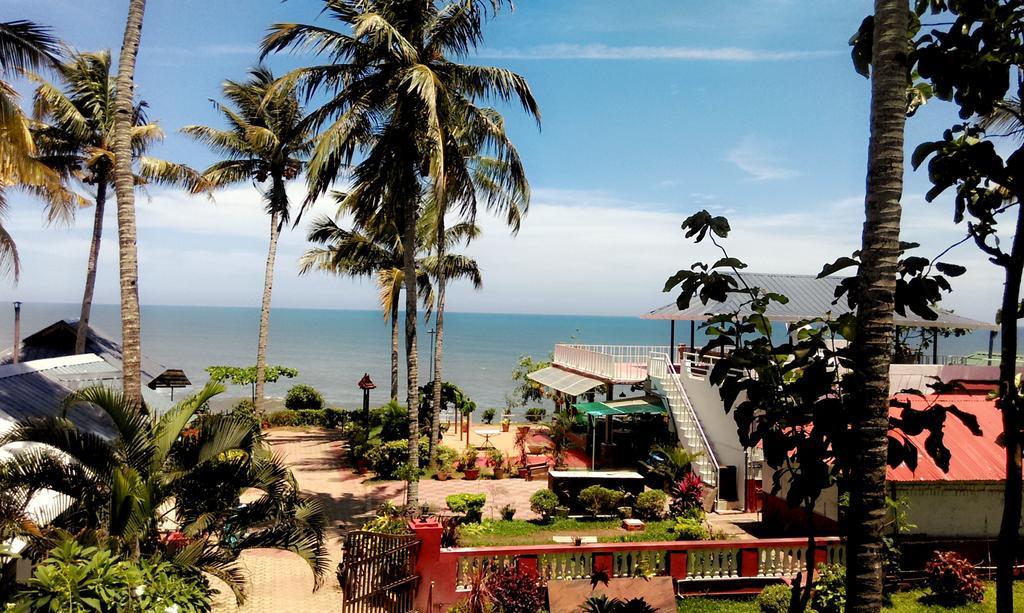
[[809, 297], [564, 381], [974, 458]]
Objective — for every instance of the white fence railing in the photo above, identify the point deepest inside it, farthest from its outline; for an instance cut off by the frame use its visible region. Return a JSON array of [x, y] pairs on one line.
[[616, 363]]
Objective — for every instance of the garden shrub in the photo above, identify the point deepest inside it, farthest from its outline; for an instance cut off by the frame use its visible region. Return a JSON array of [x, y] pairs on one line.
[[446, 457], [543, 503], [775, 598], [535, 414], [77, 578], [508, 512], [953, 580], [488, 415], [321, 418], [515, 590], [389, 520], [688, 529], [830, 589], [687, 494], [650, 505], [303, 397], [470, 504], [600, 500], [386, 459]]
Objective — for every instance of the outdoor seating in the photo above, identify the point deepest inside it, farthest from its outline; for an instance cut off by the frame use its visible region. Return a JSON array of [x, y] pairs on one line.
[[536, 469]]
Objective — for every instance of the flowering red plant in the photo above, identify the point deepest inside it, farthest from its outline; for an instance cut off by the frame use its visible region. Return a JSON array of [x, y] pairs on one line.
[[687, 494]]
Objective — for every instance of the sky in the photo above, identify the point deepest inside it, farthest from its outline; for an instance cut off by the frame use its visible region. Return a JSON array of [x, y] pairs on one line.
[[651, 111]]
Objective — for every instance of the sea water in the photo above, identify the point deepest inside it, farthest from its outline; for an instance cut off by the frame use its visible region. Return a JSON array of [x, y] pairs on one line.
[[332, 349]]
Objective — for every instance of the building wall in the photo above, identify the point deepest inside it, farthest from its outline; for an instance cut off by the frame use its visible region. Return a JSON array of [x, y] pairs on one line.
[[953, 509], [718, 425], [777, 512]]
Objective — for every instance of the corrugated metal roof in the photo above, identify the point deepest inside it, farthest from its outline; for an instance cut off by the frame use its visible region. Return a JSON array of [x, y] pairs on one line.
[[809, 297], [974, 458], [563, 380]]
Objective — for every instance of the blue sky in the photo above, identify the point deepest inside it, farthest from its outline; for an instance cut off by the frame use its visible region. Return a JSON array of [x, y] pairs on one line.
[[651, 110]]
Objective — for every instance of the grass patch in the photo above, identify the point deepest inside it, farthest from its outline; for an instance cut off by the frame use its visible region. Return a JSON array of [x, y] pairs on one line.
[[903, 602], [521, 532]]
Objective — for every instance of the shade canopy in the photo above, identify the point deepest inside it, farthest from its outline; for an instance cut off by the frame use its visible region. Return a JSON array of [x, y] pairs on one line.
[[601, 409], [171, 378], [564, 381], [809, 297]]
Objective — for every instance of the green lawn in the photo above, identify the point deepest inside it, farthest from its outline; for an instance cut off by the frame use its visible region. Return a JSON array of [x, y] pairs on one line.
[[520, 532], [904, 602]]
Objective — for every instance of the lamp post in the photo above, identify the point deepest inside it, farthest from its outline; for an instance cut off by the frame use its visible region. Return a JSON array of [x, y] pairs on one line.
[[366, 384], [16, 352]]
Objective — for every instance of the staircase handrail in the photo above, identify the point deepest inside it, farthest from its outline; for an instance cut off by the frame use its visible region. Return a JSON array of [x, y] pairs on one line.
[[673, 376]]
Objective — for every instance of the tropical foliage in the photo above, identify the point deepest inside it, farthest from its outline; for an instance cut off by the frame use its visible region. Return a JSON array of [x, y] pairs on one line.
[[401, 100], [74, 134], [179, 471], [246, 375], [267, 142]]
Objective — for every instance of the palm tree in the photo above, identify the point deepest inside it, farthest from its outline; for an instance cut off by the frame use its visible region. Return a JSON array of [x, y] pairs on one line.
[[183, 470], [124, 187], [880, 252], [481, 167], [25, 46], [267, 141], [398, 92], [378, 253], [74, 136]]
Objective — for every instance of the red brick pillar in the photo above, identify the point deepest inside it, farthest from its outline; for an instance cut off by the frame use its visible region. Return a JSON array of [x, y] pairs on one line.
[[604, 561], [677, 564], [749, 562], [429, 567], [527, 563]]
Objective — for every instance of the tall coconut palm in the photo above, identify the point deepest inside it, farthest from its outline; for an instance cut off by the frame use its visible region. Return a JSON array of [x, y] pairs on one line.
[[397, 92], [266, 142], [880, 252], [74, 136], [481, 168], [378, 253], [183, 469], [124, 187], [25, 46]]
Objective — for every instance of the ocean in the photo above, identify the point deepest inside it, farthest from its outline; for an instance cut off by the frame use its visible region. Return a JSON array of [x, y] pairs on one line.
[[332, 349]]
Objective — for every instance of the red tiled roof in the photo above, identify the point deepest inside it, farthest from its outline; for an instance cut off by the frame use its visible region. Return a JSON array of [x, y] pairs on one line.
[[974, 458]]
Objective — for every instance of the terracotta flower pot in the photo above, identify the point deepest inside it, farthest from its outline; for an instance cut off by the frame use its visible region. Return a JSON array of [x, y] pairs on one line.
[[505, 426], [442, 476], [499, 473], [471, 474]]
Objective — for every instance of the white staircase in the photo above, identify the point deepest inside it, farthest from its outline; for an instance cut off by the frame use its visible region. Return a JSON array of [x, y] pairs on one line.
[[666, 383]]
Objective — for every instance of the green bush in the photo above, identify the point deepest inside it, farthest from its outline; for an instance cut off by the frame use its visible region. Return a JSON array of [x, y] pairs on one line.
[[535, 414], [386, 459], [488, 415], [470, 504], [830, 589], [689, 529], [650, 505], [77, 578], [600, 500], [543, 503], [775, 598], [303, 397], [446, 457], [393, 421], [320, 418], [508, 512]]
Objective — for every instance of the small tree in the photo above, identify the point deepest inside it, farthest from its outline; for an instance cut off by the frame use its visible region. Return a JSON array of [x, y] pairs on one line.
[[246, 375]]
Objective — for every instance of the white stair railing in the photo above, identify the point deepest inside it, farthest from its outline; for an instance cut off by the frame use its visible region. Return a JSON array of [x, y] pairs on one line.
[[688, 428]]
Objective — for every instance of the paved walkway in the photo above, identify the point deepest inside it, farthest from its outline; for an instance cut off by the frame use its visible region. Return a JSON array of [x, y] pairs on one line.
[[278, 580]]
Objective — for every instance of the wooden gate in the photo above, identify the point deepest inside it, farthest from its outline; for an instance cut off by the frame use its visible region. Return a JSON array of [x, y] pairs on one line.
[[378, 572]]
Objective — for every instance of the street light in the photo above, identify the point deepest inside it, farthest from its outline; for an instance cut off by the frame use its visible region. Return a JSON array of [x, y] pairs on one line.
[[366, 384]]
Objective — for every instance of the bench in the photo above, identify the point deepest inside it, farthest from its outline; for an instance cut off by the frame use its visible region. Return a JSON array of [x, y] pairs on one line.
[[536, 469]]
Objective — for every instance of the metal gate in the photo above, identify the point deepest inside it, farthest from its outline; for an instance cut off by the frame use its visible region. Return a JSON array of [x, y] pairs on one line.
[[378, 573]]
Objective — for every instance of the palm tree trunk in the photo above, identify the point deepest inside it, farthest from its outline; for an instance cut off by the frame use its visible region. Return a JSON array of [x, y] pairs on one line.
[[435, 405], [1010, 406], [124, 186], [90, 270], [268, 284], [877, 275], [394, 350], [411, 354]]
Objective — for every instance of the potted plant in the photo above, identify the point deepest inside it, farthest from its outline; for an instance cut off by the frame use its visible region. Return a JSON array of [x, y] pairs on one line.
[[467, 464], [520, 447], [495, 459], [505, 423], [446, 457]]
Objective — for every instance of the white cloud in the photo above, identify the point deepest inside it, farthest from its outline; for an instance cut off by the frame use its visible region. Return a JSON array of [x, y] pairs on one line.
[[759, 162], [596, 51], [579, 251]]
